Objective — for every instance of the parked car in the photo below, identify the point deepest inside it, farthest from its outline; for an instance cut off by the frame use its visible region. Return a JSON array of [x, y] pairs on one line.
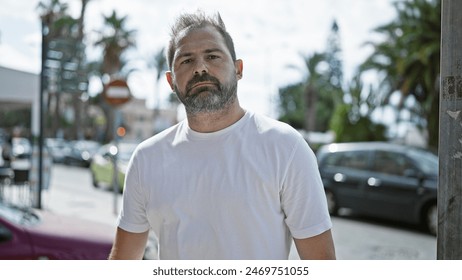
[[57, 148], [38, 234], [80, 152], [102, 167], [382, 180]]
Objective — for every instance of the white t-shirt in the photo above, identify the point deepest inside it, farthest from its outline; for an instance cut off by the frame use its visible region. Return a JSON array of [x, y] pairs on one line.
[[240, 193]]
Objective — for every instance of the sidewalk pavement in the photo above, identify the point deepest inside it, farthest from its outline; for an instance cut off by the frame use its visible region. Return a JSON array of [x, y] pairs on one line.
[[84, 207], [80, 199]]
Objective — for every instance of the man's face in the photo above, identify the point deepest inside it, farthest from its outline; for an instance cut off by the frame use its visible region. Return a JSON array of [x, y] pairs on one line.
[[204, 76]]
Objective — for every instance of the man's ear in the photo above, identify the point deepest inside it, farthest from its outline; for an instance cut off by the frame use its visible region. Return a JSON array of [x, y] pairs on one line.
[[239, 65], [169, 76]]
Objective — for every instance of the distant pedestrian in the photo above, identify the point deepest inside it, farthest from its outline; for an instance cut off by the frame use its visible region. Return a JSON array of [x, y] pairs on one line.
[[225, 183]]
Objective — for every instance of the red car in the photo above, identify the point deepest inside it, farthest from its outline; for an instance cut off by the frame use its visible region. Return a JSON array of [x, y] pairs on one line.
[[36, 234]]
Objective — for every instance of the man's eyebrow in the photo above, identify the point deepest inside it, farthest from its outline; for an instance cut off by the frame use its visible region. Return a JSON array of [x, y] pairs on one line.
[[188, 54], [213, 50], [206, 51]]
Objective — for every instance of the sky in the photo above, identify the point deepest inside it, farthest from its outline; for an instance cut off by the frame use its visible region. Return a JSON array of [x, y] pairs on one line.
[[270, 36]]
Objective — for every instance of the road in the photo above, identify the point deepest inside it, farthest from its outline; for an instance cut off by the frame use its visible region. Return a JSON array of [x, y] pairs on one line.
[[356, 238]]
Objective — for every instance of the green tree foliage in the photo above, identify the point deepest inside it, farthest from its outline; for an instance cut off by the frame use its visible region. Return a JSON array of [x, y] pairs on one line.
[[352, 121], [363, 128], [115, 39], [409, 59], [291, 105], [310, 104], [17, 116]]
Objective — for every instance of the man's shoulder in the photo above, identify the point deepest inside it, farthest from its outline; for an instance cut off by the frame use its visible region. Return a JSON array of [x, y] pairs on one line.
[[268, 125], [159, 138]]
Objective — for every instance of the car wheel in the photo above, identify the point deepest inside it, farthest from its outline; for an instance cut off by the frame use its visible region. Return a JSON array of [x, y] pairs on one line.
[[331, 202], [431, 219]]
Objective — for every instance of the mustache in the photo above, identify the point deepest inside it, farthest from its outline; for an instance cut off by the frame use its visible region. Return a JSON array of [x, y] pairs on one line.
[[202, 78]]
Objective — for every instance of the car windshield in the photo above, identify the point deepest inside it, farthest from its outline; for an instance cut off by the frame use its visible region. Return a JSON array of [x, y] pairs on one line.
[[427, 161], [18, 215]]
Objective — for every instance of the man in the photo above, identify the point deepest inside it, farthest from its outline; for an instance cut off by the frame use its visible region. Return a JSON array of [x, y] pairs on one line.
[[225, 183]]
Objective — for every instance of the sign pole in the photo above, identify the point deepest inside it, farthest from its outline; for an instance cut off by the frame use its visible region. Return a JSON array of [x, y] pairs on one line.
[[116, 93], [115, 175]]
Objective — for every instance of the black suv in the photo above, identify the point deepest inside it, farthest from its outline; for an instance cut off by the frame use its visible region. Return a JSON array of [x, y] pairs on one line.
[[382, 180]]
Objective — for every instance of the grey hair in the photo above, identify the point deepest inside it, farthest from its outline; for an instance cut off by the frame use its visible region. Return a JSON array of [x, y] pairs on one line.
[[191, 21]]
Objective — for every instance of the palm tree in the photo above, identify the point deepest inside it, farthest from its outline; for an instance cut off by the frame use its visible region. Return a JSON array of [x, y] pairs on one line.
[[115, 39], [312, 86], [409, 59], [50, 13], [310, 103]]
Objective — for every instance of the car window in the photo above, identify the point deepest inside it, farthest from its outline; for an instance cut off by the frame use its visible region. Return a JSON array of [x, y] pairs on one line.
[[18, 216], [348, 159], [391, 163], [427, 162]]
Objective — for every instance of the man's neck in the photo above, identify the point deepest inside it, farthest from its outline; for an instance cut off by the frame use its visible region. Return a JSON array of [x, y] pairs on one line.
[[215, 121]]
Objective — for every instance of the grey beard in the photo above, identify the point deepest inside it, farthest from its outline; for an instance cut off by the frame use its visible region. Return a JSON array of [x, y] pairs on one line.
[[212, 101]]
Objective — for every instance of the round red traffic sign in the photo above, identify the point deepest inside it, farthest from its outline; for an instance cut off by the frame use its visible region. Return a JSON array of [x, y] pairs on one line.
[[117, 92]]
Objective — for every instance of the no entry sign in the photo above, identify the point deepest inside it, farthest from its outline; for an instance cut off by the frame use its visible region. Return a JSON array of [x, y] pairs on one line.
[[117, 92]]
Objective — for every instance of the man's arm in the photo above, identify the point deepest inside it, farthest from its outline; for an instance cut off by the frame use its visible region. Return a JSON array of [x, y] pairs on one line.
[[319, 247], [128, 245]]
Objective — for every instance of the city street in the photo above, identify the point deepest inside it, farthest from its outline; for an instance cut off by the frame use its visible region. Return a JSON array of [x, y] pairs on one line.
[[356, 238]]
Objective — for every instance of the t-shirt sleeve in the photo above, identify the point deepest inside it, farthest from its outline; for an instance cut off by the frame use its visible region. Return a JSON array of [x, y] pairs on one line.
[[133, 215], [303, 198]]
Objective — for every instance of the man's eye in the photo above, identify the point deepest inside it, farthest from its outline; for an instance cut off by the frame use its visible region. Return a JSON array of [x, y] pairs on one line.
[[212, 56], [186, 61]]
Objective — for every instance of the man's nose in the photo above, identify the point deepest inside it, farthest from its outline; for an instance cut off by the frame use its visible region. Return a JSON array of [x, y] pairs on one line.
[[200, 67]]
